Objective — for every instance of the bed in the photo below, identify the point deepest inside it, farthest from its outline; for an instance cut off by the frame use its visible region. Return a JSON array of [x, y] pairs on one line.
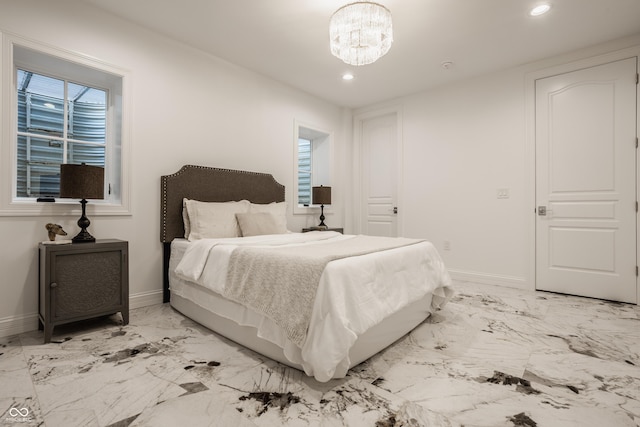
[[353, 298]]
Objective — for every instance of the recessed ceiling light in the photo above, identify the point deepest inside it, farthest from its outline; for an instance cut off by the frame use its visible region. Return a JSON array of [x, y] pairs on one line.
[[540, 10], [347, 76]]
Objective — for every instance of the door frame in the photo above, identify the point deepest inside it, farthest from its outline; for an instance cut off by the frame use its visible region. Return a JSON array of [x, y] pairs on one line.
[[358, 120], [530, 146]]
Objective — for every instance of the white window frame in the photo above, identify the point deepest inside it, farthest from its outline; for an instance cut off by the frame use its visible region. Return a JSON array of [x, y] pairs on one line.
[[18, 52], [321, 162]]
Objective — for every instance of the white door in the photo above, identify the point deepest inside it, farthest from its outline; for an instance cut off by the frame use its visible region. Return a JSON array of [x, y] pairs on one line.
[[379, 146], [586, 182]]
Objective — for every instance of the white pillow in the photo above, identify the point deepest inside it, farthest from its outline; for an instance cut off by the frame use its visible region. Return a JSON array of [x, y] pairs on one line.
[[277, 209], [258, 224], [214, 219]]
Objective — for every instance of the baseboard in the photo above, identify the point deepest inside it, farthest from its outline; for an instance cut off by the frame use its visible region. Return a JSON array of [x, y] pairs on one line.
[[144, 299], [15, 325], [490, 279]]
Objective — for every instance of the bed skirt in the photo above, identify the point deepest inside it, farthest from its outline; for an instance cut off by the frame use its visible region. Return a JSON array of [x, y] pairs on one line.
[[369, 343]]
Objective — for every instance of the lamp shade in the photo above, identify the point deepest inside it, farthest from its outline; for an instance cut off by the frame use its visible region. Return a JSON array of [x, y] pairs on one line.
[[81, 181], [321, 195]]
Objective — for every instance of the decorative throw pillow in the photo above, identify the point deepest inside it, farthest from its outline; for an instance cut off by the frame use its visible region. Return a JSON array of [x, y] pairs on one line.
[[277, 209], [257, 224]]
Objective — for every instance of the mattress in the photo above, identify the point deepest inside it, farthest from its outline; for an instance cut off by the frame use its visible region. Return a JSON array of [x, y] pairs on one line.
[[257, 332], [246, 333]]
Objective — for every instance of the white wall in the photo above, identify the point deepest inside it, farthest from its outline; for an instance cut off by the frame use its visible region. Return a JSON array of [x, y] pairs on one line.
[[188, 108], [461, 144], [464, 141]]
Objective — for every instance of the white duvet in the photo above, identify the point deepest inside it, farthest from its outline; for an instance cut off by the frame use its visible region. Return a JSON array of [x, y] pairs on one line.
[[353, 295]]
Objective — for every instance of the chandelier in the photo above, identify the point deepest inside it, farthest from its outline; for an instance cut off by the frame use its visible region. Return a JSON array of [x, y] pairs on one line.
[[360, 32]]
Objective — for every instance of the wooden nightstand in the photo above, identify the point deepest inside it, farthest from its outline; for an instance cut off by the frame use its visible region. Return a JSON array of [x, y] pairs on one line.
[[82, 280], [339, 230]]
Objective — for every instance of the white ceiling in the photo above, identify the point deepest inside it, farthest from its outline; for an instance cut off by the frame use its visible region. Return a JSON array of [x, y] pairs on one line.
[[287, 40]]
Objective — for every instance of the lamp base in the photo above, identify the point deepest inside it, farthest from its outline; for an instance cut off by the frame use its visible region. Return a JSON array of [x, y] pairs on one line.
[[83, 237], [319, 228], [322, 225]]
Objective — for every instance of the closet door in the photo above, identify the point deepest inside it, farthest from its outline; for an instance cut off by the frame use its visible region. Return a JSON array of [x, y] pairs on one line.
[[379, 183], [586, 182]]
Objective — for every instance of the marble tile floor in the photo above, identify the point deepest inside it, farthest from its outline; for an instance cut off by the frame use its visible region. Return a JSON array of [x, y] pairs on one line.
[[492, 357]]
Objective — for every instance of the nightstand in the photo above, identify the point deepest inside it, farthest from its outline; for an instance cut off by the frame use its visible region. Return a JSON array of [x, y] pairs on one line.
[[80, 281], [339, 230]]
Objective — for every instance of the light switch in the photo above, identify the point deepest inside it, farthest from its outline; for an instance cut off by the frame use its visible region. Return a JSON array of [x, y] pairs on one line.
[[503, 193]]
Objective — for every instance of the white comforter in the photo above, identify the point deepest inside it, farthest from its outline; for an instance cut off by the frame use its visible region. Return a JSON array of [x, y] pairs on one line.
[[353, 295]]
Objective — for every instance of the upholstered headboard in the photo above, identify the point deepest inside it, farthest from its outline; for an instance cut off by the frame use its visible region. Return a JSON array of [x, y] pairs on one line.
[[207, 184]]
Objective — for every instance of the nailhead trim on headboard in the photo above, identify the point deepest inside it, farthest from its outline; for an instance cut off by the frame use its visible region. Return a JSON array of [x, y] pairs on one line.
[[258, 188]]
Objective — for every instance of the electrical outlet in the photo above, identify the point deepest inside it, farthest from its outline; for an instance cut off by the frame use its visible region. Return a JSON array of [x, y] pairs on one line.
[[446, 245]]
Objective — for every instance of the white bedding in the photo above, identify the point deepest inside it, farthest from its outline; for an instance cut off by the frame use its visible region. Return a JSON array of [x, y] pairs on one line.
[[353, 295]]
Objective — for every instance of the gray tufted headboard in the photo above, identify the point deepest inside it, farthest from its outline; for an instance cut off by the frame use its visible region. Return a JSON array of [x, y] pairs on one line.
[[207, 184]]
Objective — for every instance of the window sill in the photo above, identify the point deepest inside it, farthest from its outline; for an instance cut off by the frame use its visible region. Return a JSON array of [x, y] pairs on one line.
[[311, 210], [62, 208]]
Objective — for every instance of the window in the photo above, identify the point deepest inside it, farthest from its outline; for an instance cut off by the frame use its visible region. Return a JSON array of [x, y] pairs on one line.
[[313, 163], [58, 122], [304, 171], [60, 107]]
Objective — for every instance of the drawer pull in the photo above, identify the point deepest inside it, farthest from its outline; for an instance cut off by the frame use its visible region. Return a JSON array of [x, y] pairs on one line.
[[54, 285]]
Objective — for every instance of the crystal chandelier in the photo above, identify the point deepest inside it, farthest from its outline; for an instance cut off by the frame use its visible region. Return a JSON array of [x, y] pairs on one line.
[[360, 32]]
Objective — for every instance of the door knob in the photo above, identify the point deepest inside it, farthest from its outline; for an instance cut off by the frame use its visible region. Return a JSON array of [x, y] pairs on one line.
[[543, 211]]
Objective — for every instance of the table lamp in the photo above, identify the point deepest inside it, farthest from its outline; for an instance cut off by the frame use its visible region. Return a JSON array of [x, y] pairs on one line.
[[321, 196], [82, 182]]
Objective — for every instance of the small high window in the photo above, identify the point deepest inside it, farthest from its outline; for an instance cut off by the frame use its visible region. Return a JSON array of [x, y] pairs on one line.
[[313, 163], [304, 171]]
